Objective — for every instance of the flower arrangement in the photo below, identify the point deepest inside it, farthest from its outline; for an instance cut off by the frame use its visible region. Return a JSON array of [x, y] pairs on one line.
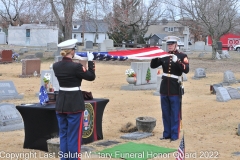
[[46, 77], [130, 73]]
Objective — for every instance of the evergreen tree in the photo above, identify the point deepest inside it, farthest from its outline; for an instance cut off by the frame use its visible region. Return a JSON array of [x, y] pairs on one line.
[[148, 76]]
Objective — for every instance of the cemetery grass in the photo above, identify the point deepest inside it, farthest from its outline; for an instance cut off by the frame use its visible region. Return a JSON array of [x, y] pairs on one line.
[[209, 126]]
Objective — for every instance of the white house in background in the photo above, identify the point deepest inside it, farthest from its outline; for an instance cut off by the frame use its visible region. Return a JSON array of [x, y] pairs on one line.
[[32, 35], [93, 30]]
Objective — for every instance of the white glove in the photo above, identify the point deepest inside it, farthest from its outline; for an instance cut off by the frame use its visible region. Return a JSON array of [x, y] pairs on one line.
[[90, 56], [174, 58]]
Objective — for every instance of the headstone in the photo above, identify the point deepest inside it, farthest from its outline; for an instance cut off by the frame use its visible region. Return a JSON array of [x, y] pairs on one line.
[[140, 69], [39, 54], [57, 58], [8, 91], [200, 55], [217, 55], [53, 79], [199, 73], [89, 45], [222, 94], [107, 143], [6, 56], [10, 118], [207, 48], [31, 56], [228, 77], [29, 66], [226, 54], [136, 135], [159, 80], [234, 93], [52, 46], [219, 47], [199, 46], [214, 88], [102, 47], [238, 132], [23, 50], [109, 44], [184, 77]]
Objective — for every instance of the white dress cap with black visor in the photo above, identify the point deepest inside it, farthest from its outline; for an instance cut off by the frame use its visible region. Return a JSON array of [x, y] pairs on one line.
[[171, 39], [68, 44]]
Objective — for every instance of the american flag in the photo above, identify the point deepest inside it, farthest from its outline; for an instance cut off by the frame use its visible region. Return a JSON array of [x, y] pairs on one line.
[[181, 150], [122, 55]]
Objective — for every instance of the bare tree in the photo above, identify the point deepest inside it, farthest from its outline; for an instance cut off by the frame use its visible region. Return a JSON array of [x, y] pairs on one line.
[[64, 10], [11, 10], [216, 17], [132, 15], [36, 11]]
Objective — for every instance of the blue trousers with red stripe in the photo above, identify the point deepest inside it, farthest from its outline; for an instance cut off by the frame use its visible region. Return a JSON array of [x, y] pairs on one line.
[[70, 133], [171, 116]]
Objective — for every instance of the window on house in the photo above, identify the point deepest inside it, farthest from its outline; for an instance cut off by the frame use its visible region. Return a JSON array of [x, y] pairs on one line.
[[81, 35], [176, 29], [75, 26], [97, 36], [27, 32], [74, 35], [170, 29]]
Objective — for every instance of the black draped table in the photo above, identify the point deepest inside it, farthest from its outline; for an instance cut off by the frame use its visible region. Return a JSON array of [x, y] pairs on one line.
[[40, 123]]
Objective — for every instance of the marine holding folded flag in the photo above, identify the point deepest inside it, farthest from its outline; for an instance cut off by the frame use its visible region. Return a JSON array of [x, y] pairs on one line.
[[171, 90], [70, 103]]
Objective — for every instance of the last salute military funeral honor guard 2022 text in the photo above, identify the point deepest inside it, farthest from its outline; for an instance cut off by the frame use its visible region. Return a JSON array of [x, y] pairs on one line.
[[70, 104], [171, 89]]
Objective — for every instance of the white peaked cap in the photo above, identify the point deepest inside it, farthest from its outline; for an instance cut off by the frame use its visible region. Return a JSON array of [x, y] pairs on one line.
[[68, 44], [171, 39]]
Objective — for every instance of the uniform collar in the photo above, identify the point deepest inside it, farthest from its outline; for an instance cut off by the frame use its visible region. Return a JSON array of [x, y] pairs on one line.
[[66, 59]]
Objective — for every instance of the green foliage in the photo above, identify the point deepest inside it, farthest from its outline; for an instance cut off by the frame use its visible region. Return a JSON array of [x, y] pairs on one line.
[[148, 75]]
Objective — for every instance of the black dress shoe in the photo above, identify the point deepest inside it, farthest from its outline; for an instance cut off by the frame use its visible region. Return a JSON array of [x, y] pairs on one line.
[[162, 138], [173, 139]]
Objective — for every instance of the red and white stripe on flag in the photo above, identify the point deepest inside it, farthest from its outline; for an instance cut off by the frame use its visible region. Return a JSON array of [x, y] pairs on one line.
[[141, 54], [181, 150]]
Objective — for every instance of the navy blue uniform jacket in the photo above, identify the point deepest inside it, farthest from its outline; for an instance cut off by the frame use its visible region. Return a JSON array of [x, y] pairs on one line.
[[71, 74], [170, 86]]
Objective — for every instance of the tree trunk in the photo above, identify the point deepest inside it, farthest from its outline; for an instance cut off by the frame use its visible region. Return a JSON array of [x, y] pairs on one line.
[[214, 49]]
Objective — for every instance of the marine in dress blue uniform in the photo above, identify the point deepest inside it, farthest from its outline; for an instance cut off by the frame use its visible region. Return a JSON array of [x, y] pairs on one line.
[[173, 66], [70, 103]]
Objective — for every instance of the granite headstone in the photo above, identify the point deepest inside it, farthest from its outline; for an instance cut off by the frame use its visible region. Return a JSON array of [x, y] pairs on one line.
[[89, 45], [199, 73], [10, 118], [234, 93], [159, 80], [222, 94], [8, 91], [53, 79], [214, 88], [29, 66], [228, 77]]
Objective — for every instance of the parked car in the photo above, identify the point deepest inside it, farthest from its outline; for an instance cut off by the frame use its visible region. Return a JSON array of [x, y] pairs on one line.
[[237, 48]]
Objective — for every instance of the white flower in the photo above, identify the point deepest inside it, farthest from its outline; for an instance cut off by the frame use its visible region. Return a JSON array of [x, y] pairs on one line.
[[47, 77], [130, 72]]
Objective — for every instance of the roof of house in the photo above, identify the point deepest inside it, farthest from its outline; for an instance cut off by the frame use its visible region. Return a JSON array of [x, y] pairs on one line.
[[159, 29], [90, 26], [161, 36], [33, 26]]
